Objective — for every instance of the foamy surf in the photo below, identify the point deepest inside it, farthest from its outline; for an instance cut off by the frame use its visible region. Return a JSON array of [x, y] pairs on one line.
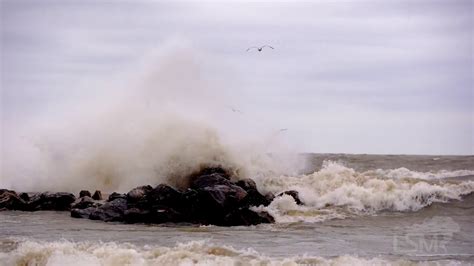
[[337, 191], [403, 172], [156, 124], [189, 253]]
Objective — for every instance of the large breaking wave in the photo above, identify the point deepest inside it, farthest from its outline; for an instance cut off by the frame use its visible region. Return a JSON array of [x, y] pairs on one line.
[[158, 125], [336, 191]]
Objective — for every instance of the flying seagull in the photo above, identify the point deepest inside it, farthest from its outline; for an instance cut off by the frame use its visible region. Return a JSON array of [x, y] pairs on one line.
[[259, 48], [234, 109], [279, 131]]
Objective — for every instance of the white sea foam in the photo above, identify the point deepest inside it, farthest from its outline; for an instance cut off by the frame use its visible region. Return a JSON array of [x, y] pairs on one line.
[[191, 253], [157, 125], [336, 190], [406, 173], [285, 210]]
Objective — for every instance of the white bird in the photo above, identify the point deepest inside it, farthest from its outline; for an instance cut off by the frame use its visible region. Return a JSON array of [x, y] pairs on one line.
[[259, 48], [234, 110]]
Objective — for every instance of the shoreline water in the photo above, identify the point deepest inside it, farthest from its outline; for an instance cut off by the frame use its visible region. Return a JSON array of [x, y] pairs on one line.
[[440, 231], [361, 239]]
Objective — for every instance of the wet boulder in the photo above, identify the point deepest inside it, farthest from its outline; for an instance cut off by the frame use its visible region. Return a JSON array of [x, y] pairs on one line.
[[209, 205], [211, 198], [165, 215], [224, 195], [10, 200], [162, 204], [191, 206], [294, 194], [24, 196], [210, 180], [210, 171], [254, 197], [245, 216], [110, 211], [83, 203], [152, 216], [83, 213], [138, 193], [116, 195], [247, 184], [59, 201], [97, 195], [269, 197], [164, 195], [84, 193], [136, 215]]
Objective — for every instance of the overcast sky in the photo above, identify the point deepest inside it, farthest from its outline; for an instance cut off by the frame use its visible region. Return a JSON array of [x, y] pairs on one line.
[[345, 76]]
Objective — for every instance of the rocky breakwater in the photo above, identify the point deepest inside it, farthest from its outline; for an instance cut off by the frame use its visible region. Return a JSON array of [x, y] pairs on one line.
[[46, 201], [211, 198]]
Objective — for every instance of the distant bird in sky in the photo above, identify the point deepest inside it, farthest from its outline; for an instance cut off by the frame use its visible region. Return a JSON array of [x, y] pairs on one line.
[[235, 110], [259, 48], [277, 132]]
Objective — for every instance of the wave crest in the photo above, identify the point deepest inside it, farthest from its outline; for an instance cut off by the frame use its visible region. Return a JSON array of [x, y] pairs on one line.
[[190, 253], [336, 191]]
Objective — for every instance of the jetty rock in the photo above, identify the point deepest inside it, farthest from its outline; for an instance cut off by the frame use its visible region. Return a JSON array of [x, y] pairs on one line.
[[10, 200], [211, 198], [46, 201]]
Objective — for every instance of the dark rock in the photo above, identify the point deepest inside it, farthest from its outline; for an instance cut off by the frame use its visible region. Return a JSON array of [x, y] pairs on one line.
[[155, 216], [215, 170], [138, 193], [212, 195], [97, 195], [10, 200], [264, 217], [24, 196], [59, 201], [204, 171], [294, 194], [254, 198], [110, 211], [224, 196], [82, 213], [165, 215], [83, 203], [247, 184], [115, 196], [211, 198], [164, 195], [84, 193], [270, 197], [209, 205], [210, 180], [245, 216], [136, 215], [211, 170], [191, 205]]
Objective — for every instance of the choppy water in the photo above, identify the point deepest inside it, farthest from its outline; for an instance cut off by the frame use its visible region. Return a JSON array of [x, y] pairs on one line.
[[360, 209]]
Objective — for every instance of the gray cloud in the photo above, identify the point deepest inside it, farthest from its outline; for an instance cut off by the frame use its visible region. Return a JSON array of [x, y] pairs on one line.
[[344, 67]]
